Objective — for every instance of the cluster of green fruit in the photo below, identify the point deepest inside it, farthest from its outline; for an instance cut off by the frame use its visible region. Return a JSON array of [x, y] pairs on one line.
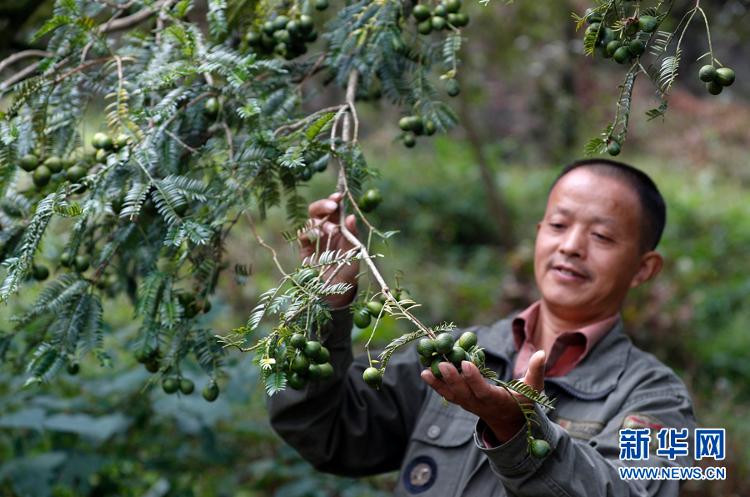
[[80, 263], [39, 272], [283, 36], [444, 15], [363, 315], [444, 348], [42, 171], [313, 164], [414, 126], [309, 362], [716, 79], [631, 42], [171, 384], [370, 200]]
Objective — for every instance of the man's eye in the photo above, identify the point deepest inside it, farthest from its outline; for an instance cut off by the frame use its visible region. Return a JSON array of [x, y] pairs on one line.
[[556, 226], [601, 237]]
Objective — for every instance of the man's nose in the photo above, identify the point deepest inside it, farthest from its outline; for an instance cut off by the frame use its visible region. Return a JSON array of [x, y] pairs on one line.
[[573, 243]]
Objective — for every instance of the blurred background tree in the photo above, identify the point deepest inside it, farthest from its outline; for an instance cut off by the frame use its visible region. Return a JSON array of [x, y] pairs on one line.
[[466, 206]]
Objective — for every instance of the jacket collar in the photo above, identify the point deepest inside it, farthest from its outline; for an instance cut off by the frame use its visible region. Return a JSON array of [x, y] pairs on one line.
[[593, 378]]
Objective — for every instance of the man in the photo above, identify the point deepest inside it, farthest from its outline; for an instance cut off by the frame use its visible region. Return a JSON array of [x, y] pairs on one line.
[[597, 240]]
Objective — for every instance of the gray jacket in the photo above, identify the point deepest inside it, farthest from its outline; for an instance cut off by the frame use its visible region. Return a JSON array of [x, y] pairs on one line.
[[342, 426]]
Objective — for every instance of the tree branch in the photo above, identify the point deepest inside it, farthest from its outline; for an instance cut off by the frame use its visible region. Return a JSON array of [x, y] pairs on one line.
[[22, 55]]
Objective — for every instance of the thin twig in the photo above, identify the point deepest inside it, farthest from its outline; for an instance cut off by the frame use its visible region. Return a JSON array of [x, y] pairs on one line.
[[12, 59]]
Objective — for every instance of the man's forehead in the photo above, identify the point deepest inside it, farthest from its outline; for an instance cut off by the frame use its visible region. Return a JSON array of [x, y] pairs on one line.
[[600, 196]]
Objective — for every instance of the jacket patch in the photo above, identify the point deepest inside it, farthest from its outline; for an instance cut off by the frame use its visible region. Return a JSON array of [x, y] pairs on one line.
[[638, 420], [420, 474], [581, 429]]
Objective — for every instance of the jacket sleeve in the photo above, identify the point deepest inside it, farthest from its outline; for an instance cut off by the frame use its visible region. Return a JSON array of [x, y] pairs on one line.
[[578, 468], [342, 425]]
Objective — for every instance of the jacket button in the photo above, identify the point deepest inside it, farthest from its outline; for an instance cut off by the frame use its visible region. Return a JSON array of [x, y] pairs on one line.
[[433, 431]]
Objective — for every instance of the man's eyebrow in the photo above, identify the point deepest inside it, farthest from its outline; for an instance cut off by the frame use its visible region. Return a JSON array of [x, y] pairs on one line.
[[595, 220]]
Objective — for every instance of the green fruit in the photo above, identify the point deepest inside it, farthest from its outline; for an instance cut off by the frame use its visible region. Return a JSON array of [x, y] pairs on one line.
[[102, 141], [323, 355], [186, 386], [280, 22], [370, 200], [613, 147], [714, 87], [429, 128], [622, 55], [453, 6], [636, 47], [456, 355], [607, 35], [28, 162], [39, 273], [440, 11], [540, 448], [612, 46], [425, 360], [211, 391], [152, 365], [362, 318], [421, 12], [594, 28], [453, 87], [373, 377], [170, 384], [54, 164], [82, 262], [306, 23], [253, 38], [75, 173], [426, 347], [647, 24], [41, 176], [121, 140], [435, 369], [101, 155], [282, 36], [211, 107], [297, 381], [321, 4], [65, 259], [73, 368], [312, 349], [298, 341], [478, 358], [300, 363], [725, 76], [461, 20], [374, 308], [424, 27], [293, 27], [326, 370], [467, 340], [438, 23], [444, 343], [314, 372], [591, 16], [707, 73], [409, 139]]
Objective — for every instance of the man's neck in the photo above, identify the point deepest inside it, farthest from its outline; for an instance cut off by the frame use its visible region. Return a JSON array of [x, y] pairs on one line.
[[550, 324]]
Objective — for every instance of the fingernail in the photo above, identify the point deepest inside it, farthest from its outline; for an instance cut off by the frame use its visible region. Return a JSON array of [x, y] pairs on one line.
[[331, 205]]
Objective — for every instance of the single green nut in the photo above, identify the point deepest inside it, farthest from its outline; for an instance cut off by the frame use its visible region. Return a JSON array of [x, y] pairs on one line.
[[39, 273], [362, 318], [312, 349], [101, 155], [636, 47], [298, 341], [438, 23], [444, 343], [608, 34], [170, 384], [326, 370], [370, 200], [296, 381], [591, 16], [306, 23], [453, 6], [294, 28], [540, 448], [461, 20], [612, 46], [152, 365], [613, 147], [594, 29], [440, 11], [321, 4], [75, 173], [300, 363], [707, 73], [280, 22], [186, 386], [467, 340], [314, 372], [478, 358], [424, 27], [725, 76], [453, 87], [102, 141], [82, 262], [41, 176], [429, 128], [374, 308], [647, 24], [622, 55], [253, 38], [65, 259], [323, 355], [211, 107], [73, 368], [714, 87], [54, 164], [456, 356], [426, 347], [434, 367], [211, 391], [28, 162], [373, 377], [425, 360], [120, 141], [282, 36], [421, 12]]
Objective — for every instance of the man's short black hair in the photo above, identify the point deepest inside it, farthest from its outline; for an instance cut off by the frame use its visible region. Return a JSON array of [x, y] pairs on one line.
[[653, 207]]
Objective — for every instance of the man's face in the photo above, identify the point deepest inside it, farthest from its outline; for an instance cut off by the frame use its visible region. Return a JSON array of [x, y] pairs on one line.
[[587, 254]]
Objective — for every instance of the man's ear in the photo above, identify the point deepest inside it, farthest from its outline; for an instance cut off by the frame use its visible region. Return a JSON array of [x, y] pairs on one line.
[[650, 265]]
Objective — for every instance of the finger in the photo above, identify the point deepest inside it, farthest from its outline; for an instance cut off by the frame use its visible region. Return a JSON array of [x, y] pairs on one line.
[[351, 224], [336, 196], [436, 383], [535, 374], [475, 381], [322, 208]]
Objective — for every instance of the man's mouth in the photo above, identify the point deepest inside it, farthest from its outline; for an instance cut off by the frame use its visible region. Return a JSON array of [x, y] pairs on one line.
[[569, 271]]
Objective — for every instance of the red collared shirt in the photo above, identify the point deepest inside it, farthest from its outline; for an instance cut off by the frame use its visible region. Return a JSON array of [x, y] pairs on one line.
[[568, 349]]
